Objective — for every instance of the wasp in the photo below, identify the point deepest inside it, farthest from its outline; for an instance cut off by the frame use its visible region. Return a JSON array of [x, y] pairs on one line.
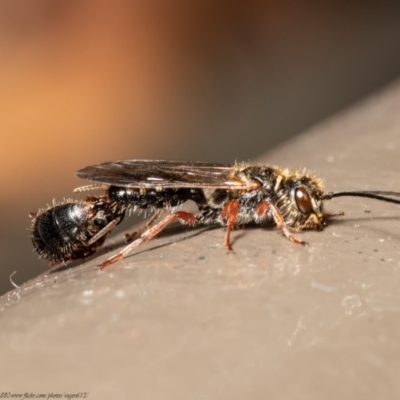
[[227, 194]]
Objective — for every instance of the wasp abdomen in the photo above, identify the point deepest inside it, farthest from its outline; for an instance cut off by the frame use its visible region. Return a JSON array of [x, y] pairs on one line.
[[154, 198], [60, 233]]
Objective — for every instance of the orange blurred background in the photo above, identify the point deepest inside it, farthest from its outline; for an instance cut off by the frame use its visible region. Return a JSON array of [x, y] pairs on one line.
[[94, 81]]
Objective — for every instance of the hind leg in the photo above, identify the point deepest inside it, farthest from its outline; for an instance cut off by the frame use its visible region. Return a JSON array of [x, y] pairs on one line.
[[149, 234]]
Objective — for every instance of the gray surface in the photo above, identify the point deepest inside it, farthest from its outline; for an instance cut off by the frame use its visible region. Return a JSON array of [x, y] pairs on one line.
[[182, 319]]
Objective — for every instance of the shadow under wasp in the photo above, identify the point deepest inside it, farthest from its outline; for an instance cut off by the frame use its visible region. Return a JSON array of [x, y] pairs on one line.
[[227, 194]]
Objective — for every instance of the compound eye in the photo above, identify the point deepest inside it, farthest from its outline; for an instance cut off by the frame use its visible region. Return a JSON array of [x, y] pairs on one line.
[[303, 201]]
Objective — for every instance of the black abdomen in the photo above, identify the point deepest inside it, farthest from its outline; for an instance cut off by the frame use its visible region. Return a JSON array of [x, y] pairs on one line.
[[153, 198], [61, 233]]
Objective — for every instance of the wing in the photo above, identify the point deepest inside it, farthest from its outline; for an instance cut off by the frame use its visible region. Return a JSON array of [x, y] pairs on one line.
[[164, 174]]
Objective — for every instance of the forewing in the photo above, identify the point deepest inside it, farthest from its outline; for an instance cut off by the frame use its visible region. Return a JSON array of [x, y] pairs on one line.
[[163, 174]]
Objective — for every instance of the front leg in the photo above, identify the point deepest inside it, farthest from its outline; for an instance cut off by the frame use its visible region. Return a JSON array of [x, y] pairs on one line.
[[278, 219]]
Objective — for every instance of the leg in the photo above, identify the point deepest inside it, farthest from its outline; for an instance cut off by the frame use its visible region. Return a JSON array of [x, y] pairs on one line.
[[230, 212], [280, 222], [130, 236], [103, 232], [147, 235]]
